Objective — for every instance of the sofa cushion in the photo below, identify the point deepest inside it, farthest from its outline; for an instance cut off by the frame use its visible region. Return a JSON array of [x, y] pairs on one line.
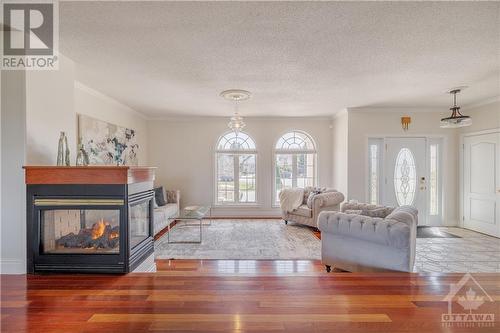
[[403, 213], [162, 214], [160, 196], [303, 211], [377, 212]]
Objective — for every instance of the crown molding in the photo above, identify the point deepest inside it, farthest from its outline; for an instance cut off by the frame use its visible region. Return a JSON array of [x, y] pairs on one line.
[[392, 109]]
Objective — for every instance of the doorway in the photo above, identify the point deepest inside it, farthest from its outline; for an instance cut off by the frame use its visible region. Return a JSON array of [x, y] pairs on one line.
[[407, 171], [481, 183]]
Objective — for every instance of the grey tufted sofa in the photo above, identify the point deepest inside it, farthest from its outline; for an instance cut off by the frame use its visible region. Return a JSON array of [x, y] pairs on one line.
[[358, 243]]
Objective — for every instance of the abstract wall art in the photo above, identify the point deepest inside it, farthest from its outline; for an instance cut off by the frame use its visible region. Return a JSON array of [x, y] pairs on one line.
[[107, 144]]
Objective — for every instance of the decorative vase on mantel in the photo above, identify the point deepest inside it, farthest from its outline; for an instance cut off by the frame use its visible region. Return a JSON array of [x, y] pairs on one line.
[[63, 151], [82, 158]]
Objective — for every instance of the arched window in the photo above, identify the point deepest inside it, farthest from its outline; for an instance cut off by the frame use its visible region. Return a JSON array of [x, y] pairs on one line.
[[295, 162], [236, 165]]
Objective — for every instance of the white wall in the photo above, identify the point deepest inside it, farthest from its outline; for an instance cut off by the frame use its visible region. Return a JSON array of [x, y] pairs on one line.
[[97, 105], [484, 117], [13, 194], [50, 110], [183, 151], [53, 100], [36, 107], [340, 153], [364, 123]]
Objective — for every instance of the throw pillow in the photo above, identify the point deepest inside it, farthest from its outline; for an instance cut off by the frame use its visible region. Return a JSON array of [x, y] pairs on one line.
[[310, 197], [378, 212], [353, 211], [160, 196]]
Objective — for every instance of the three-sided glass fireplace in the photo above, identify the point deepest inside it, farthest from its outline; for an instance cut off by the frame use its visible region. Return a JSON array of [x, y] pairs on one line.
[[92, 233], [92, 219]]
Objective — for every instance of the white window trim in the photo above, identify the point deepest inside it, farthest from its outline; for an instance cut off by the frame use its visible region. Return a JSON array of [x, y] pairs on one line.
[[215, 177], [379, 142], [437, 219], [295, 152]]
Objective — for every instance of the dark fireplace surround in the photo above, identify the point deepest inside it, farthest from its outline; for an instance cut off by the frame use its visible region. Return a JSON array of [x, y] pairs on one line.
[[89, 219]]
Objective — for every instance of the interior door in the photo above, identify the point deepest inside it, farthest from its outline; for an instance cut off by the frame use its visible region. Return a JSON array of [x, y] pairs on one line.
[[482, 183], [405, 174]]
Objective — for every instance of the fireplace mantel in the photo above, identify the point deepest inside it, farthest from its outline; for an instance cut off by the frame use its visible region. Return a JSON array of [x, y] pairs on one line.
[[88, 174]]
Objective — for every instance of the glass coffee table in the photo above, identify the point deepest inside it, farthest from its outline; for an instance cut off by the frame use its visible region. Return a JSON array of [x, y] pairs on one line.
[[189, 217]]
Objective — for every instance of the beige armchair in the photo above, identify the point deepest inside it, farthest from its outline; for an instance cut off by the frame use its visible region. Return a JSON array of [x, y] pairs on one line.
[[327, 200]]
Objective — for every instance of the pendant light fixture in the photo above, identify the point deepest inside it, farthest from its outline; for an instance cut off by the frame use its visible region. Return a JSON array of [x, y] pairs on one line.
[[236, 123], [456, 119]]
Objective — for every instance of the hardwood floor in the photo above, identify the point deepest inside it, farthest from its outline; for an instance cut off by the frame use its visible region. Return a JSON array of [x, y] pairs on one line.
[[237, 296]]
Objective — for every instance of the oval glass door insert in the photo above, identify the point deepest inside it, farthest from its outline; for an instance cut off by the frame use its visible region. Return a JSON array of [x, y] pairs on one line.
[[405, 177]]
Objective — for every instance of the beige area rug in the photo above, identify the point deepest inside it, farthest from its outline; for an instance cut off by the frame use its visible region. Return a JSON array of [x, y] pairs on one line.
[[241, 239]]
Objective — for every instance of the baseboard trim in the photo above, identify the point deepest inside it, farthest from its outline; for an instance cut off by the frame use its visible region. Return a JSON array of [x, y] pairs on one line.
[[12, 266]]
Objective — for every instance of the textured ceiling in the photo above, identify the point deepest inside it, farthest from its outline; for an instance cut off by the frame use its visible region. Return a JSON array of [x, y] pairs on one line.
[[298, 59]]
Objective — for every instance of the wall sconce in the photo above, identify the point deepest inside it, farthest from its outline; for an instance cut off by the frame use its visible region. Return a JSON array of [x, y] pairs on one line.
[[405, 122]]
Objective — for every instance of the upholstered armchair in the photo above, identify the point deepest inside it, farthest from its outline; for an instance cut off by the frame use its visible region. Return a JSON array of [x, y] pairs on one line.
[[358, 243], [327, 200]]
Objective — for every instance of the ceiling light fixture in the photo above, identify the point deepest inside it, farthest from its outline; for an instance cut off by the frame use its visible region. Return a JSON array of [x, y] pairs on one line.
[[456, 119], [236, 124]]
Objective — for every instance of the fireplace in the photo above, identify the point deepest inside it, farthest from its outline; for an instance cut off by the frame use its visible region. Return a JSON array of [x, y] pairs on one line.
[[92, 227], [80, 231]]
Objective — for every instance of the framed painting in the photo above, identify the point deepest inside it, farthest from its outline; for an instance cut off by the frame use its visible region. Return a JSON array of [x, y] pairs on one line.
[[107, 144]]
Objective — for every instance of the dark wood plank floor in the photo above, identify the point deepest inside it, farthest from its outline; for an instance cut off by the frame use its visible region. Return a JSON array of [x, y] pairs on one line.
[[235, 296]]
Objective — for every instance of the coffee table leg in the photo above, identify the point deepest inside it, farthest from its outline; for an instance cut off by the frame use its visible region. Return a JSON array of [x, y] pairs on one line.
[[168, 231]]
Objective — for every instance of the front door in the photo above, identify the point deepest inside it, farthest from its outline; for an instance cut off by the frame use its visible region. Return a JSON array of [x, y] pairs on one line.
[[405, 174], [482, 183]]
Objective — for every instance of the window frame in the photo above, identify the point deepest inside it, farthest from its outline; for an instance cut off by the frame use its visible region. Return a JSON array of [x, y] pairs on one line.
[[294, 153], [379, 143], [435, 219], [236, 153]]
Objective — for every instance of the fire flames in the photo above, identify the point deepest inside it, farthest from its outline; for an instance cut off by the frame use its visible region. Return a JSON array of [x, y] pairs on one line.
[[100, 236], [98, 229]]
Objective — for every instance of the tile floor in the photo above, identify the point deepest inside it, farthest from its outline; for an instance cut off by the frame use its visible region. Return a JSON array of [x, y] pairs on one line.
[[474, 252]]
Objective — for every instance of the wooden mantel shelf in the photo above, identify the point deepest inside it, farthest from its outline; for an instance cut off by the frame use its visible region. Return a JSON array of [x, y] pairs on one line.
[[95, 174]]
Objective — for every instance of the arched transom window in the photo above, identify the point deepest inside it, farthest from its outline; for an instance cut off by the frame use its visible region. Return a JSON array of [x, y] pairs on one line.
[[295, 162], [236, 167]]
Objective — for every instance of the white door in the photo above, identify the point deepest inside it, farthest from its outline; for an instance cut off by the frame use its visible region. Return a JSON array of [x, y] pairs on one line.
[[482, 183], [405, 174]]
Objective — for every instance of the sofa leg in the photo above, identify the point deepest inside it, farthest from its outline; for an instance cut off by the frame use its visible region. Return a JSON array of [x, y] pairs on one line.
[[286, 222], [328, 268]]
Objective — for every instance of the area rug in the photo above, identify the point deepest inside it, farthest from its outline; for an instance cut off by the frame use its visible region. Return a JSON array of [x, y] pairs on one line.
[[433, 232], [241, 239]]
